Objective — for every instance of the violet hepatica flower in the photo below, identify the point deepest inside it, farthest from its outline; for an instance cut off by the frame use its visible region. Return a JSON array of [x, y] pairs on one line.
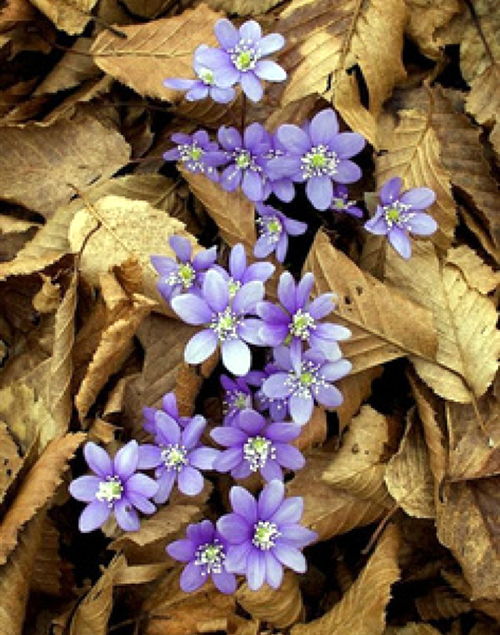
[[239, 60], [264, 535], [116, 488], [304, 379], [274, 229], [225, 319], [318, 155], [178, 456], [197, 153], [239, 273], [246, 160], [185, 275], [253, 445], [204, 86], [204, 551], [281, 186], [168, 412], [237, 397], [297, 320], [400, 214], [277, 408], [341, 203]]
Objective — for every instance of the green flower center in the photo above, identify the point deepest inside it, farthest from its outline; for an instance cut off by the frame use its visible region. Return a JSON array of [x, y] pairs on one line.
[[186, 275], [302, 324], [174, 457], [306, 379], [393, 214], [243, 160], [319, 161], [257, 450], [245, 60], [210, 556], [206, 76], [339, 203], [241, 401], [224, 324], [233, 287], [110, 490], [274, 226], [196, 153], [265, 535]]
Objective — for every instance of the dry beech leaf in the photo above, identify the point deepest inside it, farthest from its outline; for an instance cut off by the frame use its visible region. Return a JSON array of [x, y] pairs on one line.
[[442, 603], [37, 489], [281, 608], [359, 466], [15, 577], [165, 48], [408, 475], [47, 568], [15, 11], [189, 381], [328, 510], [361, 611], [70, 153], [71, 16], [243, 7], [355, 390], [468, 524], [479, 45], [232, 211], [314, 432], [141, 573], [426, 19], [483, 101], [12, 225], [49, 297], [478, 274], [92, 614], [384, 324], [413, 628], [10, 461], [468, 342], [460, 585]]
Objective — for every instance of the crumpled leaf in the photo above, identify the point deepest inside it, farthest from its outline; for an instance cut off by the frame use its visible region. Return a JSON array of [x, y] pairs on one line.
[[47, 568], [49, 297], [355, 390], [361, 611], [71, 16], [10, 462], [281, 607], [442, 603], [478, 274], [243, 7], [412, 628], [426, 20], [70, 153]]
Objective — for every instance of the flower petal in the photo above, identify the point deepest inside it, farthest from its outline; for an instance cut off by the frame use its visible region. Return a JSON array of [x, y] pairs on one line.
[[250, 30], [192, 309], [289, 556], [192, 578], [251, 421], [322, 306], [141, 484], [225, 582], [237, 555], [168, 429], [98, 459], [228, 459], [126, 516], [276, 386], [290, 511], [190, 481], [304, 288], [200, 347], [347, 172], [243, 503], [400, 241], [283, 432], [252, 186], [347, 144], [233, 528], [270, 71], [215, 291], [270, 499], [165, 485], [256, 569], [289, 457], [324, 127], [249, 330], [182, 550], [126, 460], [422, 225], [227, 436], [319, 190], [141, 503], [329, 396], [286, 291], [226, 33], [389, 191], [301, 408], [85, 488], [93, 516], [271, 471], [274, 571], [271, 43], [418, 197], [297, 536], [193, 431], [251, 86], [247, 296], [236, 356], [293, 138]]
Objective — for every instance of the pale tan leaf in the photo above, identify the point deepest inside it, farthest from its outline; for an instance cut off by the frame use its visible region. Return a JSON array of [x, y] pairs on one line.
[[426, 19], [384, 324], [92, 614], [359, 466], [37, 489], [141, 573], [48, 565], [39, 165], [10, 461], [165, 48], [479, 44], [280, 607], [12, 225], [348, 103], [483, 101], [355, 390], [71, 16], [49, 297], [461, 586], [330, 511], [242, 7], [314, 432], [478, 274], [408, 475], [361, 611]]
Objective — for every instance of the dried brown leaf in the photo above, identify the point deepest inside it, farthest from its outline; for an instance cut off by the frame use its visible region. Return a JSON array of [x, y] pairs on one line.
[[281, 608], [478, 274], [243, 7], [480, 47], [49, 297], [384, 324], [37, 489], [355, 390], [361, 611], [10, 461], [71, 16], [412, 628], [426, 20], [165, 48], [41, 165], [442, 603], [314, 432], [15, 11], [47, 568], [12, 225], [359, 466]]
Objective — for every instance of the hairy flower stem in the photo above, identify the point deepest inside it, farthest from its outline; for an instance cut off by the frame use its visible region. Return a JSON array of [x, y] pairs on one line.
[[243, 113]]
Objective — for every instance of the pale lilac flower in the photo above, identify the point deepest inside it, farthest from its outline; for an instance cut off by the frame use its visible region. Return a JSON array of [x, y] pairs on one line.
[[297, 320], [204, 551], [178, 455], [400, 214], [254, 445], [204, 86], [187, 274], [277, 408], [168, 412], [342, 204], [304, 379], [281, 186], [239, 60], [319, 156], [225, 320], [117, 488], [239, 273], [274, 229], [246, 159], [237, 397], [197, 153], [264, 535]]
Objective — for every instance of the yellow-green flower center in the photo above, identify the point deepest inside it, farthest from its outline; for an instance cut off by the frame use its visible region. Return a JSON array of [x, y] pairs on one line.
[[392, 214], [265, 534], [302, 324], [243, 160], [257, 450], [210, 556], [110, 490], [306, 379], [174, 457], [206, 76]]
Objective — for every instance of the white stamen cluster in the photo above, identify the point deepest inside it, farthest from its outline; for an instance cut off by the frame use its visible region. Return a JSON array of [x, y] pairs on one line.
[[244, 161], [302, 324], [235, 401], [307, 381], [191, 153], [319, 161], [271, 227], [224, 324], [257, 450], [396, 213], [206, 76], [265, 535], [245, 55], [185, 276], [174, 457], [110, 490], [233, 286], [211, 557]]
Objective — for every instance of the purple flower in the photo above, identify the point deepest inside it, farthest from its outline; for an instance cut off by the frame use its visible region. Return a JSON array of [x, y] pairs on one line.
[[197, 153], [237, 397], [239, 274], [225, 319], [342, 204], [178, 456], [277, 408], [264, 535], [204, 550], [117, 488], [169, 411], [274, 229], [318, 155], [246, 159], [282, 186], [206, 84], [297, 320], [401, 214], [253, 446], [304, 379], [186, 275], [240, 58]]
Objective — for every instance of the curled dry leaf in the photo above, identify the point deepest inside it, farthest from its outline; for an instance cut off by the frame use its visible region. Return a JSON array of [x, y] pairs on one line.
[[384, 324], [71, 153], [49, 297], [478, 274], [47, 568], [442, 603], [314, 432], [359, 466], [281, 608], [10, 461], [361, 611], [355, 390], [243, 7], [71, 17], [426, 20], [413, 628], [37, 489]]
